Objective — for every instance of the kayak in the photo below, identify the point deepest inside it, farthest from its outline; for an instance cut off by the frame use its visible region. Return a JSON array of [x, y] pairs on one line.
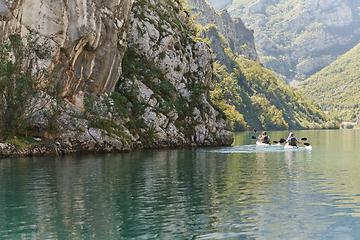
[[262, 144], [287, 146], [308, 147]]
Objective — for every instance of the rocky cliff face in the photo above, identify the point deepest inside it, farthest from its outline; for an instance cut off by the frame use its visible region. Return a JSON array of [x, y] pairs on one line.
[[178, 75], [163, 89], [239, 38], [88, 38], [298, 38]]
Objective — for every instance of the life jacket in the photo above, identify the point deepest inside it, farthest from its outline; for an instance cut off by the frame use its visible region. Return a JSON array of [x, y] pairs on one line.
[[292, 141], [265, 139]]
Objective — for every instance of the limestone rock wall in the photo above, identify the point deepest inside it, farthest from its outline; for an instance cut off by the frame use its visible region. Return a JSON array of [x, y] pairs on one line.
[[88, 37], [165, 39], [91, 49]]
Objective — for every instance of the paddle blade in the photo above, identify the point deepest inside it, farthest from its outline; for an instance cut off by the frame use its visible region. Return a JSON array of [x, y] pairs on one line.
[[276, 142], [282, 140], [306, 144], [303, 139], [254, 129], [253, 137]]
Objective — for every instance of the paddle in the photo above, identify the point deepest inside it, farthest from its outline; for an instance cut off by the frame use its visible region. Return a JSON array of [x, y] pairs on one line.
[[253, 137], [254, 129], [282, 140]]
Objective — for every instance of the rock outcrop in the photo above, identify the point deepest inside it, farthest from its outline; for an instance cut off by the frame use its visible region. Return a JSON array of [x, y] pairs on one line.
[[88, 38], [166, 42], [239, 38]]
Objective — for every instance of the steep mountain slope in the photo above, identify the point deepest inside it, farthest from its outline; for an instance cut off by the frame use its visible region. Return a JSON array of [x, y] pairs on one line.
[[246, 91], [336, 88], [296, 38]]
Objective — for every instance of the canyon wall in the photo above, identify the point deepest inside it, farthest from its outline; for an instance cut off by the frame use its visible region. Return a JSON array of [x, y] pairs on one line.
[[88, 38], [140, 56]]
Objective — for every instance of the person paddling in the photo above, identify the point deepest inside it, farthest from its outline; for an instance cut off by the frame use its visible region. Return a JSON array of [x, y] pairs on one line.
[[291, 140], [264, 138]]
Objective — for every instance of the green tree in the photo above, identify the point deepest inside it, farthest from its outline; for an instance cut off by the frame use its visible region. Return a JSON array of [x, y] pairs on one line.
[[27, 89]]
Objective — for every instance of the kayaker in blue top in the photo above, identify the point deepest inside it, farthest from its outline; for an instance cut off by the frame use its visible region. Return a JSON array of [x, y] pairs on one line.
[[264, 138], [292, 140]]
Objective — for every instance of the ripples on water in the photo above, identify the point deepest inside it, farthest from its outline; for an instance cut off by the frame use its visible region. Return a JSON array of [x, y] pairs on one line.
[[252, 148], [239, 192]]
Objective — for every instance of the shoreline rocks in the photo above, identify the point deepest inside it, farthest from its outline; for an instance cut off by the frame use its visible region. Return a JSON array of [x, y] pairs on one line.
[[94, 141]]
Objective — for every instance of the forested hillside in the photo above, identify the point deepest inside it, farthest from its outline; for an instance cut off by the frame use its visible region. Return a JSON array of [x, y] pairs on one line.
[[297, 38], [248, 93], [264, 101], [336, 88]]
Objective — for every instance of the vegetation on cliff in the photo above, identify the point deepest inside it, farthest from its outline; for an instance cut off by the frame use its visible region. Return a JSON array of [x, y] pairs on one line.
[[336, 88], [28, 92]]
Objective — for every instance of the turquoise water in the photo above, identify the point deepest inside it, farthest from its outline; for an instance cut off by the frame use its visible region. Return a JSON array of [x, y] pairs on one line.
[[237, 192]]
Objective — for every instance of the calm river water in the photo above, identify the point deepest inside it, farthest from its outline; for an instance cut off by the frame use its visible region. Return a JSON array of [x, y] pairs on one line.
[[237, 192]]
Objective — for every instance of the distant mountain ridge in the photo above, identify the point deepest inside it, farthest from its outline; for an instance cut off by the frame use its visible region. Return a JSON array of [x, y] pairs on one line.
[[297, 38]]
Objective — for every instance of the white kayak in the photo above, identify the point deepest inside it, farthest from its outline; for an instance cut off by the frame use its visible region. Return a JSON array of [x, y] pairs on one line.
[[308, 147], [287, 146], [262, 144]]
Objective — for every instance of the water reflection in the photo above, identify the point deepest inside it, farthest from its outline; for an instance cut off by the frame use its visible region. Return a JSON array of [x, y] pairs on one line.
[[239, 192]]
